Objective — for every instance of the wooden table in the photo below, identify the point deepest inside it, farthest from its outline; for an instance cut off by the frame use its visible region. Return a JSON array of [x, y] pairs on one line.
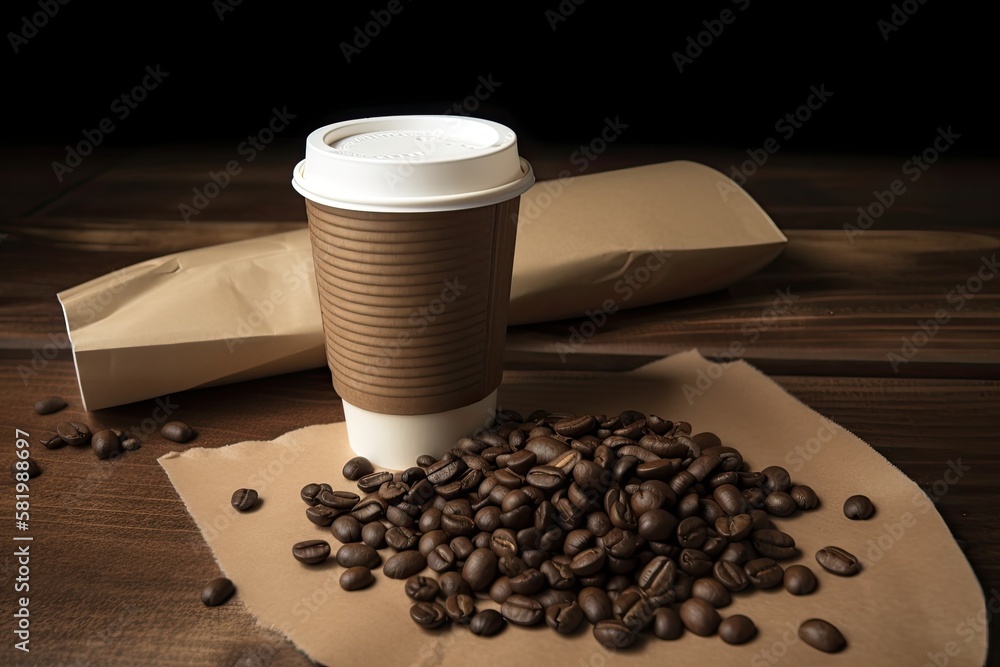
[[116, 560]]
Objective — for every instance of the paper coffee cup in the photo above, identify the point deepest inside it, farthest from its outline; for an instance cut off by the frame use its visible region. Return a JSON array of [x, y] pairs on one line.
[[412, 221]]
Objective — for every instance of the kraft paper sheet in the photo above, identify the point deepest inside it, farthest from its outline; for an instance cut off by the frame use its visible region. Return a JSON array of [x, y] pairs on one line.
[[249, 309], [916, 595]]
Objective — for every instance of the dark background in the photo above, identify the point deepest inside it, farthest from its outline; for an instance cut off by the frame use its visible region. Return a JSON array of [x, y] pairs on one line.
[[606, 59]]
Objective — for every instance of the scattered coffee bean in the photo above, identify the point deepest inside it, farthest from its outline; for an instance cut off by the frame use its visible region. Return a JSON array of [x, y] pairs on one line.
[[73, 433], [799, 580], [357, 577], [487, 623], [217, 591], [764, 573], [804, 497], [838, 561], [711, 591], [357, 468], [106, 444], [700, 617], [49, 404], [401, 538], [564, 617], [373, 534], [422, 589], [345, 528], [53, 442], [243, 500], [667, 623], [522, 610], [821, 635], [404, 565], [309, 493], [352, 555], [428, 614], [130, 444], [371, 482], [177, 431], [452, 583], [614, 634], [321, 516], [737, 629], [461, 608], [311, 552], [28, 465], [858, 508]]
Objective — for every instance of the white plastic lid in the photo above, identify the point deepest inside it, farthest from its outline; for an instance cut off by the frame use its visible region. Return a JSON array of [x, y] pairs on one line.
[[412, 164]]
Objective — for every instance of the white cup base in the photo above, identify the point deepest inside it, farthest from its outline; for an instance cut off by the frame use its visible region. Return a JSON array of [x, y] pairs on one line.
[[395, 441]]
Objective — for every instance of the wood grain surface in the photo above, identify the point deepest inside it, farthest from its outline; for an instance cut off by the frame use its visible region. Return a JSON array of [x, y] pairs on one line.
[[117, 563]]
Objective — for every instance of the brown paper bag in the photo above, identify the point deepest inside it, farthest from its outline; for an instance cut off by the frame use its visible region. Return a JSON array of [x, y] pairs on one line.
[[600, 242], [916, 596]]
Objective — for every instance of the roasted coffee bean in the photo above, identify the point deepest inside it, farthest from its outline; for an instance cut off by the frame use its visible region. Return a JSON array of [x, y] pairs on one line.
[[776, 478], [589, 561], [575, 427], [730, 499], [858, 507], [427, 541], [657, 576], [528, 582], [403, 538], [480, 569], [177, 431], [443, 472], [620, 543], [799, 580], [357, 468], [354, 554], [461, 608], [452, 583], [321, 516], [737, 629], [773, 543], [428, 614], [442, 558], [370, 508], [521, 462], [730, 575], [549, 597], [53, 442], [595, 604], [508, 478], [346, 529], [564, 617], [431, 520], [411, 476], [614, 634], [504, 542], [398, 517], [49, 404], [804, 496], [739, 553], [667, 623], [29, 466], [780, 503], [462, 546], [311, 552], [712, 592], [500, 589], [545, 448], [371, 482], [695, 562], [404, 565], [764, 573], [822, 636], [487, 623], [692, 532], [633, 608], [657, 525], [130, 444], [838, 561], [709, 510], [755, 497], [217, 591], [422, 589], [426, 460], [73, 433], [106, 444], [734, 527], [309, 493], [700, 617], [522, 610], [546, 478], [338, 500], [244, 500], [357, 577], [373, 534], [558, 574]]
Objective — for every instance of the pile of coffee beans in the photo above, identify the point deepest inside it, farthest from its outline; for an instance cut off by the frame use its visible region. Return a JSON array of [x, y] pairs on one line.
[[628, 522]]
